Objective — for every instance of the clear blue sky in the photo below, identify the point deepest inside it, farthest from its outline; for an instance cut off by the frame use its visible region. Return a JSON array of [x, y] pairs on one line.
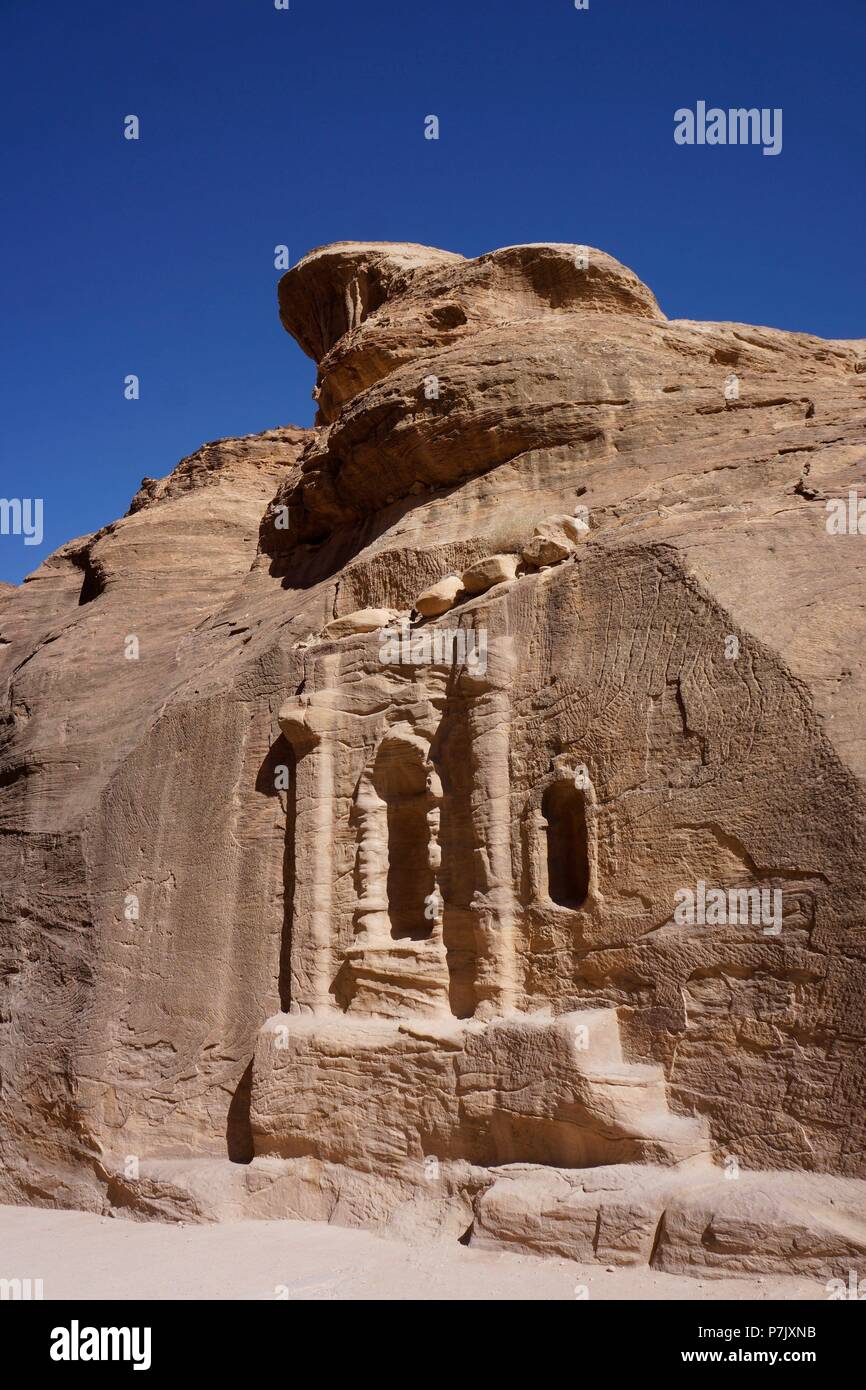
[[305, 126]]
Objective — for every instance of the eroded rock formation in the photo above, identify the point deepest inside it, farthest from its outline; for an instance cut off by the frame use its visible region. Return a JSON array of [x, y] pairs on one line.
[[350, 784]]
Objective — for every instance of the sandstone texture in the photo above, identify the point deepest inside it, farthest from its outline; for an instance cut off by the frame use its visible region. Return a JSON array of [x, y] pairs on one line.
[[297, 921], [365, 620], [484, 574], [90, 1257], [439, 597], [554, 540]]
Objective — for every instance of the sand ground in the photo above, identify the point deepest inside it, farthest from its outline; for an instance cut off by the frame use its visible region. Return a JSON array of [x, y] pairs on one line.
[[81, 1256]]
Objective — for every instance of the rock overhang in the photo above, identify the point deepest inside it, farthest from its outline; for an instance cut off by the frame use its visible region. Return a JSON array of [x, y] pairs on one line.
[[335, 289], [545, 395]]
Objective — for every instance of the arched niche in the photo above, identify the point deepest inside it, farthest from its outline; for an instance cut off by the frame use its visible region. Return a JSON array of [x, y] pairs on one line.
[[564, 813], [400, 780]]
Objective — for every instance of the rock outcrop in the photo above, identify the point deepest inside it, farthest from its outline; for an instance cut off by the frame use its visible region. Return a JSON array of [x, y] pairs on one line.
[[486, 573], [452, 816]]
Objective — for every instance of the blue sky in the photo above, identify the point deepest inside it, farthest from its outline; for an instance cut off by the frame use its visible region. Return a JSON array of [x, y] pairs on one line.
[[261, 126]]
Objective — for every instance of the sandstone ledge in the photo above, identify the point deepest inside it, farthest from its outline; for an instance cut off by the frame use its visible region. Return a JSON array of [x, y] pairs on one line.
[[693, 1222]]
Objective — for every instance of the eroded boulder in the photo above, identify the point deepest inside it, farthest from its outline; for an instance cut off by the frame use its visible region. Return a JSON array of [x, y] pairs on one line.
[[309, 902], [486, 573], [554, 540], [439, 597], [362, 620]]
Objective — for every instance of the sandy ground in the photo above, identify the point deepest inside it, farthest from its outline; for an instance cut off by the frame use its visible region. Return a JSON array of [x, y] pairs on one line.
[[80, 1256]]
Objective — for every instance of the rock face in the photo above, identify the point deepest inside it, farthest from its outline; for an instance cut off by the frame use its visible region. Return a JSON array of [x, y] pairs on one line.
[[554, 540], [439, 597], [319, 897], [365, 620], [486, 573]]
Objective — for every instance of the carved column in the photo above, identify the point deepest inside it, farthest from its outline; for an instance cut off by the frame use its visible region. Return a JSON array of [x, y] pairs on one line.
[[309, 730], [434, 907], [494, 902], [371, 909], [535, 841]]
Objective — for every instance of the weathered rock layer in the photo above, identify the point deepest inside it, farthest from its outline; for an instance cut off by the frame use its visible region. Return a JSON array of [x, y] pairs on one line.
[[350, 783]]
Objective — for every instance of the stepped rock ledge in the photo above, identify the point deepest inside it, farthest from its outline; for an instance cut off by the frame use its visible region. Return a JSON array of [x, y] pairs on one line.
[[353, 888]]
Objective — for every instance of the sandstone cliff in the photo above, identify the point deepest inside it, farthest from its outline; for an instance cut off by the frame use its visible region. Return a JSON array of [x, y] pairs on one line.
[[266, 891]]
